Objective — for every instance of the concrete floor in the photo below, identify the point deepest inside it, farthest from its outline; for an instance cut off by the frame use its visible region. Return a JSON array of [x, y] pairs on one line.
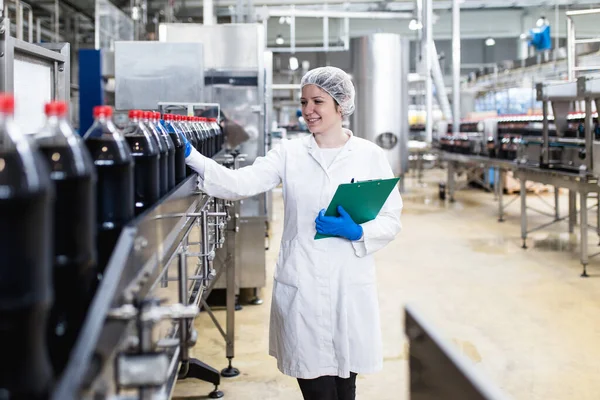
[[525, 318]]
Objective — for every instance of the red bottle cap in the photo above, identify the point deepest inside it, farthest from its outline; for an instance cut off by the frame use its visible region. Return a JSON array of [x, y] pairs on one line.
[[147, 114], [7, 103], [104, 111], [135, 114], [156, 115], [58, 108]]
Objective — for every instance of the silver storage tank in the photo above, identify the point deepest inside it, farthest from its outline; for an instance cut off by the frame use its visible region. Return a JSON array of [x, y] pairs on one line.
[[380, 75]]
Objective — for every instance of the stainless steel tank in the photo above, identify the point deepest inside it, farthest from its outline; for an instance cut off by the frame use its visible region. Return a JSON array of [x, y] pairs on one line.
[[380, 75]]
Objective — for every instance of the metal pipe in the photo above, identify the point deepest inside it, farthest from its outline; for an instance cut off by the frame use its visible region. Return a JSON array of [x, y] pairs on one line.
[[326, 33], [19, 19], [30, 26], [208, 13], [523, 195], [556, 204], [572, 210], [205, 247], [183, 299], [583, 226], [293, 12], [557, 29], [545, 134], [589, 136], [570, 49], [584, 12], [346, 33], [456, 65], [293, 33], [56, 21], [428, 41]]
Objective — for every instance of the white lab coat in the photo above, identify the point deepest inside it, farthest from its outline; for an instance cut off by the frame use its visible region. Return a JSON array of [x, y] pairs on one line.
[[325, 312]]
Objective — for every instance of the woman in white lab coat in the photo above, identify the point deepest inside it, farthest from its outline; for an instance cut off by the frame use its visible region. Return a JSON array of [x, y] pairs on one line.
[[324, 325]]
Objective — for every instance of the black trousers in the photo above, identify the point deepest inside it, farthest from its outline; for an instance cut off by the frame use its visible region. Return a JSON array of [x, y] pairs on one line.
[[329, 388]]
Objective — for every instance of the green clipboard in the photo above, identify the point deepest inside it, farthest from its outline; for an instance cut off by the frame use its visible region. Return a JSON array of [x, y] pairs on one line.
[[362, 200]]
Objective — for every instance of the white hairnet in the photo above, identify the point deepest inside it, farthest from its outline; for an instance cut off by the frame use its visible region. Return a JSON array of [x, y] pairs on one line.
[[335, 82]]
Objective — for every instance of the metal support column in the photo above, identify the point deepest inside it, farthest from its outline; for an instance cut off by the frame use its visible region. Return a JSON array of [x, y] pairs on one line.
[[589, 136], [230, 272], [523, 195], [56, 21], [556, 208], [428, 42], [183, 299], [572, 210], [208, 13], [450, 184], [456, 65], [500, 185], [584, 232], [545, 135], [570, 49]]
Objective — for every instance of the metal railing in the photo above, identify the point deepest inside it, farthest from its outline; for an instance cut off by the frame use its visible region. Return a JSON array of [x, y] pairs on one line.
[[572, 42]]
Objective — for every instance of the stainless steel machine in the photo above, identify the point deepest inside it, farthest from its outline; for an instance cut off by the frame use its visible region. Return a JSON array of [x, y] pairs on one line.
[[380, 74], [35, 74], [238, 75]]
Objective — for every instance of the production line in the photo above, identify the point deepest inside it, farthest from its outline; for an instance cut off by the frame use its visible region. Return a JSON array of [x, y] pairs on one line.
[[559, 150], [146, 185]]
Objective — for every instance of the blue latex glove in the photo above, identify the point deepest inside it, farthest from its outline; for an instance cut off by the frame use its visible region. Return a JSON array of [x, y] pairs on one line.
[[342, 226], [188, 146]]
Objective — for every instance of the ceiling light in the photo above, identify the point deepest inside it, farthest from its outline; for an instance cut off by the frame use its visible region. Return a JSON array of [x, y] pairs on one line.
[[305, 65], [490, 41], [288, 20], [281, 20], [279, 40], [414, 25], [294, 64]]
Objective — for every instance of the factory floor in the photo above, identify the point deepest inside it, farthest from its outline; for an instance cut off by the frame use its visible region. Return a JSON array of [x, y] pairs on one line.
[[524, 317]]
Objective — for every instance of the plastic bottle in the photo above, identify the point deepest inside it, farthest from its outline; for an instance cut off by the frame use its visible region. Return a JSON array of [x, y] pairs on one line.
[[26, 196], [72, 171], [114, 189], [212, 137], [170, 147], [144, 149], [175, 135], [219, 132], [187, 131], [163, 161], [197, 130]]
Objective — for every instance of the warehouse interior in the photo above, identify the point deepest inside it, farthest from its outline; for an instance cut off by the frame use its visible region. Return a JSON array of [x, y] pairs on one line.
[[124, 276]]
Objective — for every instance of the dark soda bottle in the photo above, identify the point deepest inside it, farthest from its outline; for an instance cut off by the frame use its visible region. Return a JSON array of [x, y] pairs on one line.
[[175, 135], [163, 160], [218, 132], [205, 136], [211, 138], [26, 196], [144, 149], [196, 130], [72, 171], [180, 119], [170, 148], [114, 189]]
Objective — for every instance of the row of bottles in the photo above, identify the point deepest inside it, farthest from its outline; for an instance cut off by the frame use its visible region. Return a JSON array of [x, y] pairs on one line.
[[63, 203]]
